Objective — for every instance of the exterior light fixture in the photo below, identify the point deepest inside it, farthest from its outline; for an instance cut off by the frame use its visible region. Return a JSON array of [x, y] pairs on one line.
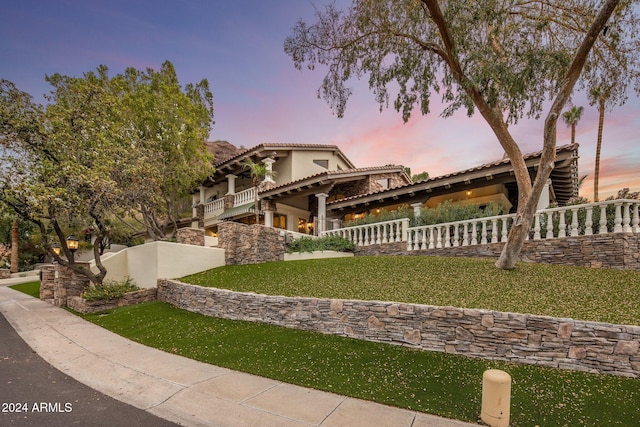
[[73, 243], [55, 248]]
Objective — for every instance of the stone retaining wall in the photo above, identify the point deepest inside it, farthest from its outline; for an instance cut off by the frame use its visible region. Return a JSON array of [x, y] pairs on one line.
[[190, 236], [613, 250], [250, 244], [528, 339], [83, 306]]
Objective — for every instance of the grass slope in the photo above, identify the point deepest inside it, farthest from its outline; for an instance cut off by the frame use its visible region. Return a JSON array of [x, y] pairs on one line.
[[578, 292]]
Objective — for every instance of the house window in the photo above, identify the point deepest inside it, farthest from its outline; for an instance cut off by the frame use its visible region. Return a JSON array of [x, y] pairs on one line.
[[280, 221], [384, 183], [322, 163]]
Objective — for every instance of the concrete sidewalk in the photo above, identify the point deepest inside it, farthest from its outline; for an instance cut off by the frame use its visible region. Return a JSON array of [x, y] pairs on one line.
[[182, 390]]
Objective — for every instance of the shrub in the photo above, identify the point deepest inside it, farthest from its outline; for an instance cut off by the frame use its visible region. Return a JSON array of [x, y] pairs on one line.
[[326, 243], [110, 290]]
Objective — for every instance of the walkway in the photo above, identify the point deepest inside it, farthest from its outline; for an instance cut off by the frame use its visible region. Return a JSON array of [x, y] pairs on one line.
[[181, 390]]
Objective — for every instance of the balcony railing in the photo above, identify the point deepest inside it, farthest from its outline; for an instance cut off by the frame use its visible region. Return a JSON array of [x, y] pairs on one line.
[[612, 216], [216, 207], [244, 197]]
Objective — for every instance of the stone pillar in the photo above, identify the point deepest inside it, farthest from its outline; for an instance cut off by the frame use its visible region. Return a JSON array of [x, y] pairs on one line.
[[203, 198], [229, 200], [68, 283], [47, 279], [322, 212], [232, 183], [335, 224], [268, 163], [190, 236]]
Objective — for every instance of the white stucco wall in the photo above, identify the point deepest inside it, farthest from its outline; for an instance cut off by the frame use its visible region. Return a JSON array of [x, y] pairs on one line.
[[147, 263], [299, 256]]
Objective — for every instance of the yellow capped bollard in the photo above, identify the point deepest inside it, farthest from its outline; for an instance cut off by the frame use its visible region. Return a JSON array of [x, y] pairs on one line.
[[496, 398]]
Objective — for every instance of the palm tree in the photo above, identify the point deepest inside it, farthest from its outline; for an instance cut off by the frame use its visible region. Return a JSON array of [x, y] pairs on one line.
[[258, 172], [571, 117], [598, 95]]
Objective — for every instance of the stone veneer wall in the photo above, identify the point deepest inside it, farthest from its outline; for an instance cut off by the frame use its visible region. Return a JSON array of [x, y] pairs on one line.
[[5, 273], [47, 278], [68, 283], [528, 339], [613, 250], [250, 244], [190, 236], [83, 306]]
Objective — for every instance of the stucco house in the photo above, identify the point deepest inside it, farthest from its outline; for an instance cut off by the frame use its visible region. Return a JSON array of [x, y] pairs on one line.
[[294, 197], [315, 188]]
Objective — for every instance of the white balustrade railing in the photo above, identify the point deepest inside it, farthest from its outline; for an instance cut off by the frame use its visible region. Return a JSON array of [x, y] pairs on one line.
[[493, 229], [245, 196], [213, 207], [613, 216], [376, 233]]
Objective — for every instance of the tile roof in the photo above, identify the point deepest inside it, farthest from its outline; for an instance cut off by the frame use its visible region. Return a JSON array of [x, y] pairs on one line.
[[285, 146], [337, 173], [505, 160]]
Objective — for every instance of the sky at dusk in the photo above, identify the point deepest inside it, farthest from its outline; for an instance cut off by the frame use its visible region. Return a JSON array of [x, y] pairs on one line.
[[259, 97]]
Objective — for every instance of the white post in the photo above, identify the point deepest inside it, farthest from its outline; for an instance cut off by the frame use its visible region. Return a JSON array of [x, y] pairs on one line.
[[268, 219], [416, 209], [617, 228], [268, 162], [544, 200], [231, 178], [322, 211], [203, 190]]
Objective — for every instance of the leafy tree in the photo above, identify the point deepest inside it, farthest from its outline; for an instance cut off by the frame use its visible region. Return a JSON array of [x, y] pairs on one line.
[[504, 59], [571, 117], [422, 176], [103, 151]]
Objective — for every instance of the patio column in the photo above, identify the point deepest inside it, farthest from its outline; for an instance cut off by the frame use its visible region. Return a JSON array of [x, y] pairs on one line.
[[268, 162], [335, 224], [322, 212], [203, 190], [545, 200], [232, 183], [268, 219], [416, 209]]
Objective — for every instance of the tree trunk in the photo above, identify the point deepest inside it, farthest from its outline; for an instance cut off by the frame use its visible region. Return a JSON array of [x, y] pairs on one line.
[[15, 244], [596, 173]]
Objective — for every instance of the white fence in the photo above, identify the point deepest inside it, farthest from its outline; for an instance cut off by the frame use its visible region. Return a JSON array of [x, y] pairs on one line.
[[614, 216]]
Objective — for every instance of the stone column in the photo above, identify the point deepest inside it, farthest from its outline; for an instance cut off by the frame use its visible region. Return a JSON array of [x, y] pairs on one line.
[[47, 279], [322, 212], [232, 183], [335, 224], [68, 283], [203, 198]]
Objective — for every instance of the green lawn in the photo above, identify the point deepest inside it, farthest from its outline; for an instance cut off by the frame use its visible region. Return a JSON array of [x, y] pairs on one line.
[[437, 383], [578, 292], [31, 288]]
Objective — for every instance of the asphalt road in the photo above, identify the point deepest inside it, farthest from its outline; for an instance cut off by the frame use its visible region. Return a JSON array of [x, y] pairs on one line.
[[34, 393]]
